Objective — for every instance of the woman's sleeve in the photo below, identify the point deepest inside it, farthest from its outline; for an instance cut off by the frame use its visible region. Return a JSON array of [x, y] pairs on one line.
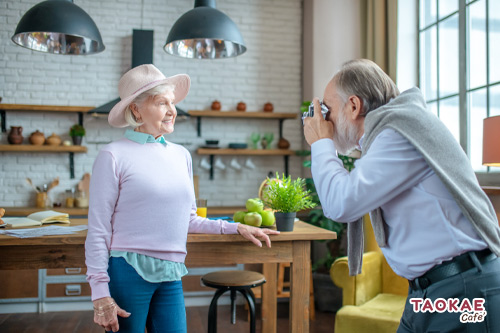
[[104, 190], [202, 225]]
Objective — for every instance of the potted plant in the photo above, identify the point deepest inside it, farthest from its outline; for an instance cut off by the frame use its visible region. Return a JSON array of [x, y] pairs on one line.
[[286, 197], [328, 297], [77, 132]]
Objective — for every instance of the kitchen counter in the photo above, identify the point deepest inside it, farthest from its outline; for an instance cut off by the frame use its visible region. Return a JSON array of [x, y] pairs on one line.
[[65, 251], [24, 211]]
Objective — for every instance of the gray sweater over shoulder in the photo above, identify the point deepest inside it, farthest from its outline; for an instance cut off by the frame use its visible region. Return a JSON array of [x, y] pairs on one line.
[[407, 115]]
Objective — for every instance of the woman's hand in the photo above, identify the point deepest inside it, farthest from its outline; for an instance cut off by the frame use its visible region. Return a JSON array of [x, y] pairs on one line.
[[253, 234], [106, 313]]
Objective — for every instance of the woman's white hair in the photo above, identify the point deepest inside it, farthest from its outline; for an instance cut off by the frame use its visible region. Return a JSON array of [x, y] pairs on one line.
[[151, 93], [365, 79]]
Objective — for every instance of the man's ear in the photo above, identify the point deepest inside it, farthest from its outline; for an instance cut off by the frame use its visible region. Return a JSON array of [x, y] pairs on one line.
[[356, 106]]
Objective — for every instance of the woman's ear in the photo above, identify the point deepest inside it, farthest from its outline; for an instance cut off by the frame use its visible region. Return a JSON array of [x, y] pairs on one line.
[[135, 110], [356, 106]]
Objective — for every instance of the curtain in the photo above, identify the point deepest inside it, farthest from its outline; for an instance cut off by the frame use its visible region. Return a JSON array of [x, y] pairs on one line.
[[379, 33]]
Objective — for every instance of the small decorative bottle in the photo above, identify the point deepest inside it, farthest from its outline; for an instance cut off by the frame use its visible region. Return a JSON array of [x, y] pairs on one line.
[[70, 198]]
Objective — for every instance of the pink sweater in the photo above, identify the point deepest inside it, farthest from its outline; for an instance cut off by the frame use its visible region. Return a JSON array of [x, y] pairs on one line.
[[141, 200]]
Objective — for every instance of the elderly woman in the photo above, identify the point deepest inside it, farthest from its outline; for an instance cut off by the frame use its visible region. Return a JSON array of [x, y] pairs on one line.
[[142, 206]]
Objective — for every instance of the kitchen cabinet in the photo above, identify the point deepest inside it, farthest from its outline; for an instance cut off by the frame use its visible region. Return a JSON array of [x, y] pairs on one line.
[[24, 148], [43, 290], [199, 114]]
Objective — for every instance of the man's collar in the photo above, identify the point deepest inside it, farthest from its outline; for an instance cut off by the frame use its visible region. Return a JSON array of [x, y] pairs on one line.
[[144, 138], [360, 142]]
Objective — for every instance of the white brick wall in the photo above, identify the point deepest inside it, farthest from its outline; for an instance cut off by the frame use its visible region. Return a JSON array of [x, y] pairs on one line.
[[269, 71]]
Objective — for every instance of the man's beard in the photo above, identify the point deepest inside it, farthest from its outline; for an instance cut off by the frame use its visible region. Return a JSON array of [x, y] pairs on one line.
[[346, 134]]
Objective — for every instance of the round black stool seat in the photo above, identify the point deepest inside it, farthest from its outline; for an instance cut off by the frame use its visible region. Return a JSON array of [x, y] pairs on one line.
[[233, 281]]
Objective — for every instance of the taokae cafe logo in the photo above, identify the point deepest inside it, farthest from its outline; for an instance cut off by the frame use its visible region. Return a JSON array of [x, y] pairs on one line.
[[472, 312]]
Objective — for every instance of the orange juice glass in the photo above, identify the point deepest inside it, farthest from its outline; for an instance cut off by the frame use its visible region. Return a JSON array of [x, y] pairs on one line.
[[201, 207]]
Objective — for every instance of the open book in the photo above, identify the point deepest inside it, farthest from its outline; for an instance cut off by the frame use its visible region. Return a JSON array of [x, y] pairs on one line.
[[37, 219]]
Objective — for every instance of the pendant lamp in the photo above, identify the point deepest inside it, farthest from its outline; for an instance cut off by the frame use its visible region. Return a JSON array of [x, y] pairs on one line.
[[60, 27], [205, 33]]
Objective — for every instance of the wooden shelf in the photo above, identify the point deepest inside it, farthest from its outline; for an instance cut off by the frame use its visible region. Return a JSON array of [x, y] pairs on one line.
[[247, 152], [47, 149], [242, 114], [41, 108], [244, 152], [230, 151], [43, 149], [45, 108]]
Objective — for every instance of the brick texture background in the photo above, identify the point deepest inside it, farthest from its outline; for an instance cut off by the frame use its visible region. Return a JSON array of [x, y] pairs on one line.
[[269, 71]]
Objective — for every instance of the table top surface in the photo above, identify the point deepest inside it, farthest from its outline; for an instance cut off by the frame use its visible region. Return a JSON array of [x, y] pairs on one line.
[[82, 212], [302, 231]]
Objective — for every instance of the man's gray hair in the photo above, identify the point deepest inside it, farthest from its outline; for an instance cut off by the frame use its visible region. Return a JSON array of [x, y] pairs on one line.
[[158, 90], [365, 79]]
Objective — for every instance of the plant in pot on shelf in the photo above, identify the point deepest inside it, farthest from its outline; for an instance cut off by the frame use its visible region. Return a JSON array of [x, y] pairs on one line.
[[77, 132], [286, 197]]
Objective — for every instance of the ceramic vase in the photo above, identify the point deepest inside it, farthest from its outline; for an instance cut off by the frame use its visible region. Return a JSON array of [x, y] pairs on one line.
[[37, 138], [15, 136], [54, 140]]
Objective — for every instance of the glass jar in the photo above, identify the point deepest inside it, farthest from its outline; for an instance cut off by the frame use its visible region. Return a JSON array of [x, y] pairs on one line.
[[81, 200], [70, 198]]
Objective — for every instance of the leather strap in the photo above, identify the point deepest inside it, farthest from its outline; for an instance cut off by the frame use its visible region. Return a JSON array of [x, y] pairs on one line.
[[450, 268]]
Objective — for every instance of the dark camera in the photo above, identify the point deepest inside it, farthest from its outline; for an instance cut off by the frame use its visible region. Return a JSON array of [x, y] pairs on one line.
[[310, 112]]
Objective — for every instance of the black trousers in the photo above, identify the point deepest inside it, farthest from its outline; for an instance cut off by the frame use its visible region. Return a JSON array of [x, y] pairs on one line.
[[481, 281]]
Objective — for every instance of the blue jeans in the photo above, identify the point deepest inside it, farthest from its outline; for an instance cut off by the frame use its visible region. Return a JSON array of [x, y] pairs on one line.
[[157, 306]]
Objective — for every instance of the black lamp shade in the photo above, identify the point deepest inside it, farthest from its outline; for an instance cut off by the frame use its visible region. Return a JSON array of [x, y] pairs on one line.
[[58, 26], [205, 33]]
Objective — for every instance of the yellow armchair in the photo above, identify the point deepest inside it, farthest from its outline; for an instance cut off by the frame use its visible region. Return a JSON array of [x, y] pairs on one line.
[[374, 300]]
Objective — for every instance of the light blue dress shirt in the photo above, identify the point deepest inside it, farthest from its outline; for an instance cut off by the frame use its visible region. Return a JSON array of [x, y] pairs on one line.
[[151, 269], [424, 227]]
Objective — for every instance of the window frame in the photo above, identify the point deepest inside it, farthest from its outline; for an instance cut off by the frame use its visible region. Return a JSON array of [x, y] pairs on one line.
[[485, 178]]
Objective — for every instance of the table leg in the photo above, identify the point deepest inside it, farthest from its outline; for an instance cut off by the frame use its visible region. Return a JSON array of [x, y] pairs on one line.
[[269, 302], [300, 284]]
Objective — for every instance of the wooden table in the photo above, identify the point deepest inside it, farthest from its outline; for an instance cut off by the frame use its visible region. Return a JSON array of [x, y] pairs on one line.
[[203, 250], [83, 212]]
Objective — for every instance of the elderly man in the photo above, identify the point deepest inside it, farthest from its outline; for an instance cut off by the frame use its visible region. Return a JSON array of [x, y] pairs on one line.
[[434, 224]]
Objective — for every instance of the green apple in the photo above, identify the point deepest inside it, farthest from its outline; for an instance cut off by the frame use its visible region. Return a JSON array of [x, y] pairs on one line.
[[239, 216], [253, 219], [255, 205], [267, 218]]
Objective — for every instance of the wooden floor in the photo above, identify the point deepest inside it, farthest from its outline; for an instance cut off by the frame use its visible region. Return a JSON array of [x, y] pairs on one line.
[[82, 322]]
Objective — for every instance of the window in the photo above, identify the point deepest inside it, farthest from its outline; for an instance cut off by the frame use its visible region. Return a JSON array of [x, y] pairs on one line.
[[459, 55]]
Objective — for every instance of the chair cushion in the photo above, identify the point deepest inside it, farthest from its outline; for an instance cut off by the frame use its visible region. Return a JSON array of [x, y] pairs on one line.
[[380, 314]]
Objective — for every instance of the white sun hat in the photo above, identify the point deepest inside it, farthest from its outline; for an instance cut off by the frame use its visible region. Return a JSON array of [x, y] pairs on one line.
[[140, 79]]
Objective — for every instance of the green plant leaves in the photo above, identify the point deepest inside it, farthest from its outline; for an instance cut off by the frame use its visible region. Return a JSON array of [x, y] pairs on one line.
[[287, 195]]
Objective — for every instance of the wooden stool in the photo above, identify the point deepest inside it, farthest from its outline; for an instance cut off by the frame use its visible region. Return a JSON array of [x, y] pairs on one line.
[[283, 289], [232, 281]]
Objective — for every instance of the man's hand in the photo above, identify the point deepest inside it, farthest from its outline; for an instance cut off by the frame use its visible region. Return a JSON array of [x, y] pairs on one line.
[[317, 128], [253, 234], [106, 313]]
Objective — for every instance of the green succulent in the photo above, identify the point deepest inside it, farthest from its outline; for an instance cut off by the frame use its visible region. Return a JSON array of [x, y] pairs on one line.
[[77, 130]]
